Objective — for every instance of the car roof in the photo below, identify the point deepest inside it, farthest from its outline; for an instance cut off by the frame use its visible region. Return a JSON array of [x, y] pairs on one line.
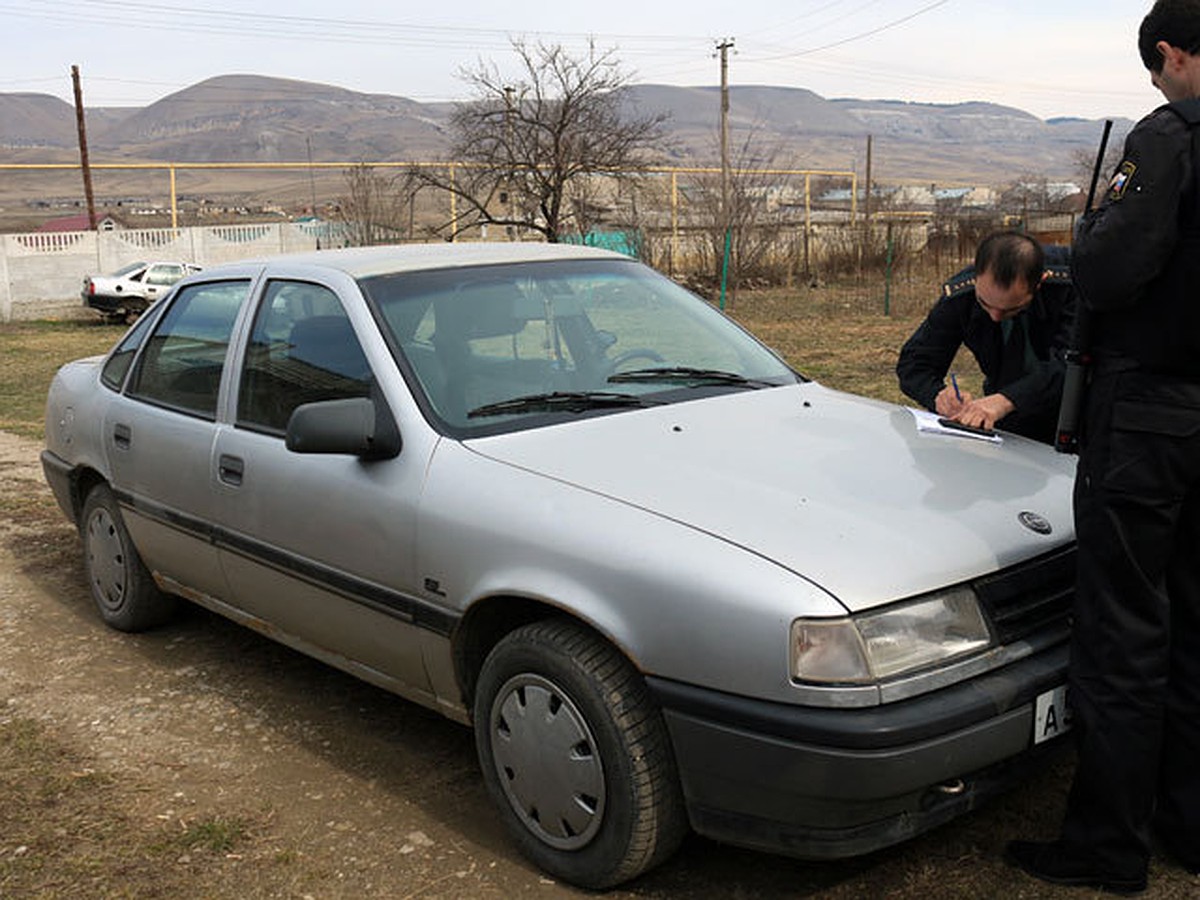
[[363, 262]]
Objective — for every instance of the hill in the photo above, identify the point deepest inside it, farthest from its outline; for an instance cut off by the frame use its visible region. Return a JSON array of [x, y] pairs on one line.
[[254, 118]]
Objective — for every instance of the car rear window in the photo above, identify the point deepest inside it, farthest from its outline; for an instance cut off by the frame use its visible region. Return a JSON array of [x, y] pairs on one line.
[[184, 357]]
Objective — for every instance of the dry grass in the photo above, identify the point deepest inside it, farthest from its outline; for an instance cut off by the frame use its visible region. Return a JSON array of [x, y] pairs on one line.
[[847, 335], [30, 353], [66, 831]]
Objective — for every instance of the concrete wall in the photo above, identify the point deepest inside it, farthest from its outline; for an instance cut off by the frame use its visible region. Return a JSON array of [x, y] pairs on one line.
[[41, 273]]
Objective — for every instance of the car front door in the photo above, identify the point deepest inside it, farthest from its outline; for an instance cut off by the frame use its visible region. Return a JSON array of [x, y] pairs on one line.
[[318, 546], [159, 278], [159, 436]]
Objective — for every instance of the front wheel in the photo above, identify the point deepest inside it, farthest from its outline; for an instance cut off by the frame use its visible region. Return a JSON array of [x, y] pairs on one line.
[[575, 753], [120, 583]]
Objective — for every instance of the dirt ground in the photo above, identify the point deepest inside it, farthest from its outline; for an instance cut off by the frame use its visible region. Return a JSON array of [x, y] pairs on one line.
[[201, 760]]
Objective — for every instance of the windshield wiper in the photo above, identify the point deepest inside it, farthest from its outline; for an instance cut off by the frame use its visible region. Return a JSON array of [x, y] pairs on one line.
[[689, 375], [558, 401]]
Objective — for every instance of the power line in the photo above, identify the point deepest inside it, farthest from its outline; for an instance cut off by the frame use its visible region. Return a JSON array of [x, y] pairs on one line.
[[803, 17], [227, 21], [967, 83], [856, 37]]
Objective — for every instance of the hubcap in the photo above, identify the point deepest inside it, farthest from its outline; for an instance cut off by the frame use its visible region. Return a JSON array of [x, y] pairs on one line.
[[547, 762], [106, 560]]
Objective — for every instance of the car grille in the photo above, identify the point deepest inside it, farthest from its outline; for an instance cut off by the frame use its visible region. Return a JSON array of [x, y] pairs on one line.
[[1030, 597]]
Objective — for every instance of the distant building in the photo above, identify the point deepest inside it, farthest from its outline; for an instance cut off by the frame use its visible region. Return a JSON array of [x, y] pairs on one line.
[[104, 222], [918, 197]]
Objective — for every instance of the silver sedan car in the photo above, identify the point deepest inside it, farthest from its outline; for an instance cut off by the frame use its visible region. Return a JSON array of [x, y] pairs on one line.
[[670, 582]]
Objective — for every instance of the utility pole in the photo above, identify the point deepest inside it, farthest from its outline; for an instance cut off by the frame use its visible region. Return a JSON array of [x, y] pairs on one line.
[[510, 97], [866, 238], [83, 150], [723, 49], [312, 183], [867, 198]]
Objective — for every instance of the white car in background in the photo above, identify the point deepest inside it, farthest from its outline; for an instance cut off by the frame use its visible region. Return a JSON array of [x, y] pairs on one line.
[[127, 292]]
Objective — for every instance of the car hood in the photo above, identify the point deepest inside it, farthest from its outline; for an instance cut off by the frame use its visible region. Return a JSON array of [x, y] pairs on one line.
[[841, 490]]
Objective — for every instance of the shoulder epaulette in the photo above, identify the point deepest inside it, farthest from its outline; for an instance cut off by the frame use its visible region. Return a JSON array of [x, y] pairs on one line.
[[1057, 275], [961, 283], [1188, 110]]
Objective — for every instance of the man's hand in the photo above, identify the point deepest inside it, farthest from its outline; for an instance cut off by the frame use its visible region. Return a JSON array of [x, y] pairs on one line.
[[984, 412], [948, 405]]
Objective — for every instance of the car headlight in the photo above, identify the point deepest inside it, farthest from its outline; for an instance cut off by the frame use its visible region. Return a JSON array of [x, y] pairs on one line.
[[878, 645]]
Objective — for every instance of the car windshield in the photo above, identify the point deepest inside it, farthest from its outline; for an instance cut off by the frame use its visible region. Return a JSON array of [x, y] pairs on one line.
[[503, 347], [126, 270]]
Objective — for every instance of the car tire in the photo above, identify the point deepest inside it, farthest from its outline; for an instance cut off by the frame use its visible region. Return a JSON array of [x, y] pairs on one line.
[[134, 309], [120, 584], [575, 753]]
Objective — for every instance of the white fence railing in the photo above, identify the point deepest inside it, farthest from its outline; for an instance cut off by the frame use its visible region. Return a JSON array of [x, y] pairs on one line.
[[41, 273]]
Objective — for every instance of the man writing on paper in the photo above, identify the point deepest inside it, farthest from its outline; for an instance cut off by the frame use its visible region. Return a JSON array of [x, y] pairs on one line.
[[1013, 310]]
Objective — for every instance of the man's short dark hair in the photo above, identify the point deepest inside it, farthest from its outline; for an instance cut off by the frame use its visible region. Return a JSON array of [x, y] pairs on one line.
[[1175, 21], [1009, 255]]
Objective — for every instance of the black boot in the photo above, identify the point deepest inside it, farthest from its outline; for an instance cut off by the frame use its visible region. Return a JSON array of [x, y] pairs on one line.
[[1057, 863], [1175, 851]]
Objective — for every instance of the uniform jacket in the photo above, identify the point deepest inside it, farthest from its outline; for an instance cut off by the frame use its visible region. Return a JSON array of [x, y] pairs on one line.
[[957, 319], [1137, 258]]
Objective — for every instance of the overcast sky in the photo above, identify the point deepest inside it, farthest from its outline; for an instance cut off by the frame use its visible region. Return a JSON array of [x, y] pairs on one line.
[[1048, 57]]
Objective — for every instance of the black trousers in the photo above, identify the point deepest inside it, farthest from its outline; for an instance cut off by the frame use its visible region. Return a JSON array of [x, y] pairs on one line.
[[1135, 652]]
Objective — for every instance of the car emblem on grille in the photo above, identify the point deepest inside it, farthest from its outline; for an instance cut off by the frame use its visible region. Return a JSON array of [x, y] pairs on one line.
[[1034, 522]]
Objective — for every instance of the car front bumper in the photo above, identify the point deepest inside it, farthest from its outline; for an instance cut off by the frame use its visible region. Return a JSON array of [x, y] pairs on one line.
[[832, 783]]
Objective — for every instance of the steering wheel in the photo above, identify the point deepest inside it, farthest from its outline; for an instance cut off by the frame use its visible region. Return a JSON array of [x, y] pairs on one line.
[[635, 353]]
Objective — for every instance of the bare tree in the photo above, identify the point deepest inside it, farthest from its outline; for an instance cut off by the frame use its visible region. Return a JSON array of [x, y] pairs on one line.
[[1034, 194], [1083, 162], [534, 153], [756, 219], [371, 212]]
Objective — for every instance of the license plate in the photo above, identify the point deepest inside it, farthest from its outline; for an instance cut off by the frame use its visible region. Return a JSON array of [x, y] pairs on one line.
[[1051, 715]]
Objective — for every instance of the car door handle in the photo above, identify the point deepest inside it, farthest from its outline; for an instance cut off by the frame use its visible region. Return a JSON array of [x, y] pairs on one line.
[[122, 436], [230, 469]]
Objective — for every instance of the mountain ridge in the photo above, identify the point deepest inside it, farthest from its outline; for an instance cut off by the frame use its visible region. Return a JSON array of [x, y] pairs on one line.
[[256, 118]]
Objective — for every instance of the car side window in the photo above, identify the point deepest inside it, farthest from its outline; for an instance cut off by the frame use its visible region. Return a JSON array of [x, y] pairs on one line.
[[164, 275], [302, 349], [116, 367], [182, 364]]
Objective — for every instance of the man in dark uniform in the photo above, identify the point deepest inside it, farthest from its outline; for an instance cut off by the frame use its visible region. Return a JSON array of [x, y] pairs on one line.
[[1013, 310], [1135, 652]]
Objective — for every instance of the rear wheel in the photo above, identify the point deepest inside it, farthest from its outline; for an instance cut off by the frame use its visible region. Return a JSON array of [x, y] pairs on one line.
[[576, 754], [121, 586], [134, 309]]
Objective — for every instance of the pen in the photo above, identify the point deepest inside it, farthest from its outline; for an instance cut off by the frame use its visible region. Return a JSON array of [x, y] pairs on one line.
[[957, 392]]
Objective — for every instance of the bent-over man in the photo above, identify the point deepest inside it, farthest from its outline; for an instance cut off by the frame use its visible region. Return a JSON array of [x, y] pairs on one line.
[[1013, 310]]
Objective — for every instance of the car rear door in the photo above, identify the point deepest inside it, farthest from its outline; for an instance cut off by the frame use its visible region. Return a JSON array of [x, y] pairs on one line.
[[321, 547], [159, 435]]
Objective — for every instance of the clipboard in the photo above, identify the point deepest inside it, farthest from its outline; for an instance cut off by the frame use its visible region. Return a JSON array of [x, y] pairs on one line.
[[931, 423]]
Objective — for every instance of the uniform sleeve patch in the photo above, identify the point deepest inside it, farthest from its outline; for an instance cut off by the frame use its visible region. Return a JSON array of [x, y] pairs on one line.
[[1120, 180]]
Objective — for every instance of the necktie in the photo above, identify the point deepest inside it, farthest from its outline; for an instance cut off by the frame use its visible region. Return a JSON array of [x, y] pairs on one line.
[[1018, 353]]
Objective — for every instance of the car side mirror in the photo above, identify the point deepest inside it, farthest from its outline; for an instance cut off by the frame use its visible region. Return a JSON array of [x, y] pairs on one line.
[[358, 427]]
